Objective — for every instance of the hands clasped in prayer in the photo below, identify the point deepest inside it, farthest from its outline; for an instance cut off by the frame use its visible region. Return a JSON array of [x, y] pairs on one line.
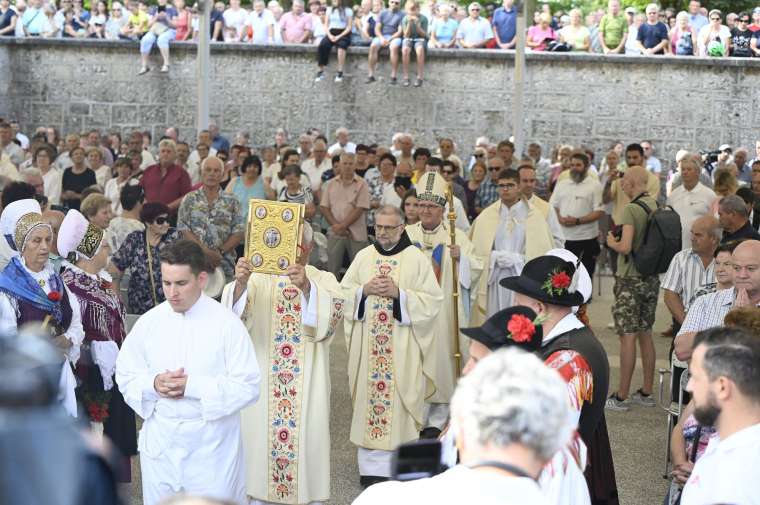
[[381, 286], [171, 384]]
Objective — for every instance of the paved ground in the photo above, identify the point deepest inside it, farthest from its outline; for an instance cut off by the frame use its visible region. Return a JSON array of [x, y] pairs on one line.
[[638, 437]]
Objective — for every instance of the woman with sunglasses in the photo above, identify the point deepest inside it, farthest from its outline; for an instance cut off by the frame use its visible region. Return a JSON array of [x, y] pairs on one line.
[[741, 37], [140, 254], [714, 37]]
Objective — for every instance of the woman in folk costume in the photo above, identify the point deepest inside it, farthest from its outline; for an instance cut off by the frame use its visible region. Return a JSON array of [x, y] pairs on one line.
[[86, 254], [585, 286], [31, 291]]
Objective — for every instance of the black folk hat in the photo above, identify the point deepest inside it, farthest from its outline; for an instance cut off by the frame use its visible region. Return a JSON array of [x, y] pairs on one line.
[[548, 279], [515, 326]]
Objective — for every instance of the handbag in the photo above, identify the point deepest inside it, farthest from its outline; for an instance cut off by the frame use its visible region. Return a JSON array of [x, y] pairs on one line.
[[150, 270]]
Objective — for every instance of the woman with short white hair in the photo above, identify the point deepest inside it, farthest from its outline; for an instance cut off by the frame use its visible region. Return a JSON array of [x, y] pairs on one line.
[[509, 416], [575, 34], [683, 40], [443, 29]]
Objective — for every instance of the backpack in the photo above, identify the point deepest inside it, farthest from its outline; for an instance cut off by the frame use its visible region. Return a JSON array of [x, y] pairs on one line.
[[662, 239]]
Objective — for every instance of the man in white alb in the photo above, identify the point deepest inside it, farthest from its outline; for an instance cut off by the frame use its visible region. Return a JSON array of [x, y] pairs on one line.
[[187, 368]]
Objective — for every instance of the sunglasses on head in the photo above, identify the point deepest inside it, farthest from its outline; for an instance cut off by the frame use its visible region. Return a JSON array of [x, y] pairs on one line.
[[161, 220]]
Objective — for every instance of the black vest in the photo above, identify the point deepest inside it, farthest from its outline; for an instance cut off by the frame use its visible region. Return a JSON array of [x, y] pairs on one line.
[[584, 342]]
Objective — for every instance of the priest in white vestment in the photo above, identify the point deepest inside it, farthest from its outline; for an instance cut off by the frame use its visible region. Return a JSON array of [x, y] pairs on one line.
[[291, 320], [392, 300], [432, 236], [187, 368], [508, 233]]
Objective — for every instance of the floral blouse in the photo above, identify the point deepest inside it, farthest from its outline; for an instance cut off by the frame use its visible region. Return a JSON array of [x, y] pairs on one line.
[[133, 256]]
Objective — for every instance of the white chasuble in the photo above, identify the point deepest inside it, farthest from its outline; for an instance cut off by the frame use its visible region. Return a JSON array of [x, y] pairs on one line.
[[390, 368], [435, 245], [286, 436], [190, 444]]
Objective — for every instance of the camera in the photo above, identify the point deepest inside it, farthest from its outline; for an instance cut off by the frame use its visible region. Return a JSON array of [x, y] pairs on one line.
[[417, 460], [709, 157]]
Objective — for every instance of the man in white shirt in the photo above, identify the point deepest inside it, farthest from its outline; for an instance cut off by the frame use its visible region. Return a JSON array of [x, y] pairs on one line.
[[188, 367], [578, 202], [725, 386], [234, 22], [506, 427], [262, 23], [317, 165], [9, 146], [341, 134], [691, 199]]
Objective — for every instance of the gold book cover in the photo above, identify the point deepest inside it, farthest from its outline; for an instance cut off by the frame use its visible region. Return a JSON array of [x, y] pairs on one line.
[[274, 231]]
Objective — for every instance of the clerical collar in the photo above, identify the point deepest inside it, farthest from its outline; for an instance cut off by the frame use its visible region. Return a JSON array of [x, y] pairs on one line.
[[402, 244], [433, 231]]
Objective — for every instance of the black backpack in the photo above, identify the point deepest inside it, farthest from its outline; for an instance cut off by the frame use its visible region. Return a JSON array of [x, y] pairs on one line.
[[662, 239]]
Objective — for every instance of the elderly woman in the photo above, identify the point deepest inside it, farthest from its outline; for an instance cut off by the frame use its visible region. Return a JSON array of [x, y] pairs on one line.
[[295, 192], [140, 255], [116, 22], [86, 251], [114, 186], [477, 176], [161, 31], [683, 38], [249, 185], [76, 179], [95, 162], [131, 203], [97, 209], [538, 34], [31, 291], [575, 34], [443, 29]]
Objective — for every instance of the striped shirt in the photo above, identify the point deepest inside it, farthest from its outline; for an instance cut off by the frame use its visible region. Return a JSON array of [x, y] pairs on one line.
[[686, 275], [709, 311]]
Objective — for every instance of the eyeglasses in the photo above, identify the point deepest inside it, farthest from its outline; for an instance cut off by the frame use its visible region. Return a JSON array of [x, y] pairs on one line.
[[474, 9], [494, 169], [383, 229], [449, 172], [161, 220], [715, 19], [507, 185], [744, 20], [479, 155], [426, 206]]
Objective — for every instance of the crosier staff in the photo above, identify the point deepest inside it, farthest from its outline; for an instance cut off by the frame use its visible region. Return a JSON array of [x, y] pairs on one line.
[[454, 272]]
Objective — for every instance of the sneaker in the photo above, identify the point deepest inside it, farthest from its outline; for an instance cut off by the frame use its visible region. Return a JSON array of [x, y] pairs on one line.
[[640, 398], [320, 77], [339, 77], [370, 79], [418, 83], [407, 83], [143, 71], [616, 404]]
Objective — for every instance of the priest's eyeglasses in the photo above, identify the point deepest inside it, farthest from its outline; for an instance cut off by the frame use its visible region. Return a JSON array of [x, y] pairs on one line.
[[386, 229], [426, 206]]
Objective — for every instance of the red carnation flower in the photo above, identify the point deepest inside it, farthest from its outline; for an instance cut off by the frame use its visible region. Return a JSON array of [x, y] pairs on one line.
[[54, 296], [561, 280], [520, 328]]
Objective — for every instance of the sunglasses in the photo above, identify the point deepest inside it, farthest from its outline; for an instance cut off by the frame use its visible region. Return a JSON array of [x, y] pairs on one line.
[[494, 169], [744, 20], [715, 19], [161, 220], [479, 155]]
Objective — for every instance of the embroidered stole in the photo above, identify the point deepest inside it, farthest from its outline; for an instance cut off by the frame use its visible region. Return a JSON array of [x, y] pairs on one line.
[[381, 377]]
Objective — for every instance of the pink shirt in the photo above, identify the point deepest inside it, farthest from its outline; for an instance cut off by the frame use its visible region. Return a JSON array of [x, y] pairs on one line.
[[294, 26], [536, 34]]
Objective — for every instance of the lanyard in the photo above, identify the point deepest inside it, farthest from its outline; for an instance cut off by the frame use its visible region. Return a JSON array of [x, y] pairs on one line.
[[517, 471]]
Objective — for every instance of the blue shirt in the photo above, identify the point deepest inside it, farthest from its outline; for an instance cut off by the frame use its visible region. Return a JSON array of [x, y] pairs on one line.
[[697, 21], [34, 20], [505, 24], [444, 31], [651, 35], [390, 22], [221, 143]]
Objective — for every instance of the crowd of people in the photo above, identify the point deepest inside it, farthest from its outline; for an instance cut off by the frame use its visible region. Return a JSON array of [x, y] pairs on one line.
[[98, 227], [404, 30]]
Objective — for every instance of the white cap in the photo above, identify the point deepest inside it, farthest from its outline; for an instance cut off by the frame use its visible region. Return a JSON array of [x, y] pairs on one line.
[[12, 217]]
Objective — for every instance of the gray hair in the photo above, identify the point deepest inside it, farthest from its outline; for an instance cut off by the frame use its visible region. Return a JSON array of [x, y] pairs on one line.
[[30, 172], [512, 397], [733, 203], [390, 210]]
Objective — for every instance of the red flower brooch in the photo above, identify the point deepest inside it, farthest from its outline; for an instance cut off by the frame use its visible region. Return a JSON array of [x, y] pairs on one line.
[[54, 296], [557, 283], [520, 328]]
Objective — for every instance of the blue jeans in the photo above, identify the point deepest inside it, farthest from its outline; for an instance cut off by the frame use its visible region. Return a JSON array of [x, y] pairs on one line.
[[162, 41]]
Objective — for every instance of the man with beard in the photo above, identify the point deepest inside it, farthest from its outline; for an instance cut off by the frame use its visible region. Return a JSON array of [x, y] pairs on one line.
[[578, 202], [725, 384], [392, 300]]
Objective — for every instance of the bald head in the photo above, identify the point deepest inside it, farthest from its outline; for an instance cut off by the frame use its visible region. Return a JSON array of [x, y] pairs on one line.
[[748, 248], [746, 263]]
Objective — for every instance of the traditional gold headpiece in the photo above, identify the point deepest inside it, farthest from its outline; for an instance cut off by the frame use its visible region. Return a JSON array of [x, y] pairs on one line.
[[24, 227], [90, 243], [432, 187]]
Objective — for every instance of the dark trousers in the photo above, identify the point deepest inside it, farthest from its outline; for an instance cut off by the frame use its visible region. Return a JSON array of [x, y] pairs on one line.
[[587, 251], [326, 45]]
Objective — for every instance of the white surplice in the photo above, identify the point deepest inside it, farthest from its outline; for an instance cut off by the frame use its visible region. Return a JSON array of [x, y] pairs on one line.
[[507, 257], [192, 444]]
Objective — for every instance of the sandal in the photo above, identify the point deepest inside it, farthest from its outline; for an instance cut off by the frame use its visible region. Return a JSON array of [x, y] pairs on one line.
[[418, 83]]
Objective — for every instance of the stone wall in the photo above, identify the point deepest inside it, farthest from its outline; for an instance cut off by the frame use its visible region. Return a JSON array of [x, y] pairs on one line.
[[573, 98]]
